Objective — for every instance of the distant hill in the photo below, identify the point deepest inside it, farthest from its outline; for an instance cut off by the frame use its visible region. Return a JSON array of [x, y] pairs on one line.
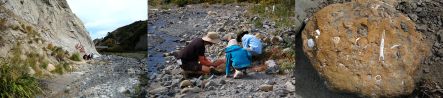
[[132, 37]]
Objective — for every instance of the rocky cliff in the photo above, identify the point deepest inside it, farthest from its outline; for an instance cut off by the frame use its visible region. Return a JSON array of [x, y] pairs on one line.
[[36, 25]]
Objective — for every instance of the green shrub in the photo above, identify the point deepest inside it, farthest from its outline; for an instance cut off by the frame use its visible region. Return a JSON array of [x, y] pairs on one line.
[[44, 64], [258, 23], [281, 14], [59, 53], [16, 82], [15, 27], [76, 57], [287, 65], [16, 52], [59, 69], [154, 3], [62, 68]]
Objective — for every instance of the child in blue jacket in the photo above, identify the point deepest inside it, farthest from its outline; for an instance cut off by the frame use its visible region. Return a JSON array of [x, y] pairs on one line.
[[237, 57]]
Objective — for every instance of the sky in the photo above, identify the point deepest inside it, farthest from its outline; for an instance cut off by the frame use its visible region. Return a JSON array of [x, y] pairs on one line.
[[103, 16]]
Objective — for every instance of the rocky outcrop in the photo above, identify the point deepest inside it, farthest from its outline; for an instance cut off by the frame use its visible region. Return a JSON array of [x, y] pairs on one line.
[[36, 23], [365, 47]]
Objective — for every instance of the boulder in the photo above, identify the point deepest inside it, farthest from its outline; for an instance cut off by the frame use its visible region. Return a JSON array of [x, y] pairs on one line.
[[210, 84], [276, 40], [190, 90], [50, 67], [266, 87], [185, 83], [290, 87], [365, 47], [31, 71], [269, 82], [272, 67], [160, 90]]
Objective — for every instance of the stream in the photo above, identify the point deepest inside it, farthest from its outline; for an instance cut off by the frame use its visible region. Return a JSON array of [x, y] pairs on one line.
[[164, 43]]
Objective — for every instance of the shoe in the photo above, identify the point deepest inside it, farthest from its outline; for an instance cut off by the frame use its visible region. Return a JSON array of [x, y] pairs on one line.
[[179, 62], [237, 74], [244, 72]]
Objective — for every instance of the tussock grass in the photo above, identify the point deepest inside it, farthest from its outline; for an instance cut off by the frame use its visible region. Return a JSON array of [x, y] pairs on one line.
[[44, 64], [59, 53], [76, 57], [278, 11], [15, 81], [62, 68]]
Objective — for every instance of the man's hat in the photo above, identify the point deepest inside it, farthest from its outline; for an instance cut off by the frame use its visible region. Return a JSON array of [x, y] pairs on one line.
[[212, 37]]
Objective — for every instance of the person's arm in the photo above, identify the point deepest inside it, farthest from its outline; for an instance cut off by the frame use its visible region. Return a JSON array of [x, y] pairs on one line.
[[247, 44], [204, 61]]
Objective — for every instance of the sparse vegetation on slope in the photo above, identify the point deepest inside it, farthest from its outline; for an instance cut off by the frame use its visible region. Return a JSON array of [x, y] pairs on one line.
[[277, 10], [16, 82], [62, 68], [15, 78]]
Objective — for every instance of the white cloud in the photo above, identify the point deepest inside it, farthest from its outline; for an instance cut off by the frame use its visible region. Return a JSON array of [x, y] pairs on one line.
[[107, 15]]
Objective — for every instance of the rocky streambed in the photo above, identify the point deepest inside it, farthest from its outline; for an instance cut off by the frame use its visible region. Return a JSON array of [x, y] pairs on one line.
[[171, 29], [168, 82], [107, 76]]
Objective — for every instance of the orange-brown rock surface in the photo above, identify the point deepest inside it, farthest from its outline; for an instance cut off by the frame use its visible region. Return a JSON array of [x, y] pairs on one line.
[[365, 47]]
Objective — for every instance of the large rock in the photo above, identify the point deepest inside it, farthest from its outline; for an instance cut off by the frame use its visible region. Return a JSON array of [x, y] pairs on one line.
[[365, 47], [266, 87], [50, 67], [185, 83], [159, 90], [272, 67]]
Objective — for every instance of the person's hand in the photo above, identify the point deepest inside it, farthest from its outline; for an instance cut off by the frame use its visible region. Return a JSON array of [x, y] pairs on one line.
[[249, 49], [213, 65]]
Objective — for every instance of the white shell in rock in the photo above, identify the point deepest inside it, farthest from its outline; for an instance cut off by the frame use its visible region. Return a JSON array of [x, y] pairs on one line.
[[311, 43]]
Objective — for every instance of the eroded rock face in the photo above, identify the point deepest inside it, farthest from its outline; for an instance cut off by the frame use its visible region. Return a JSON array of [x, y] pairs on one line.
[[36, 23], [365, 47]]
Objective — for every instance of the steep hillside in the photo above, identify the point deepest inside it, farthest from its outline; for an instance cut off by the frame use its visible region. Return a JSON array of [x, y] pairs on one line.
[[38, 38], [37, 24], [131, 37]]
